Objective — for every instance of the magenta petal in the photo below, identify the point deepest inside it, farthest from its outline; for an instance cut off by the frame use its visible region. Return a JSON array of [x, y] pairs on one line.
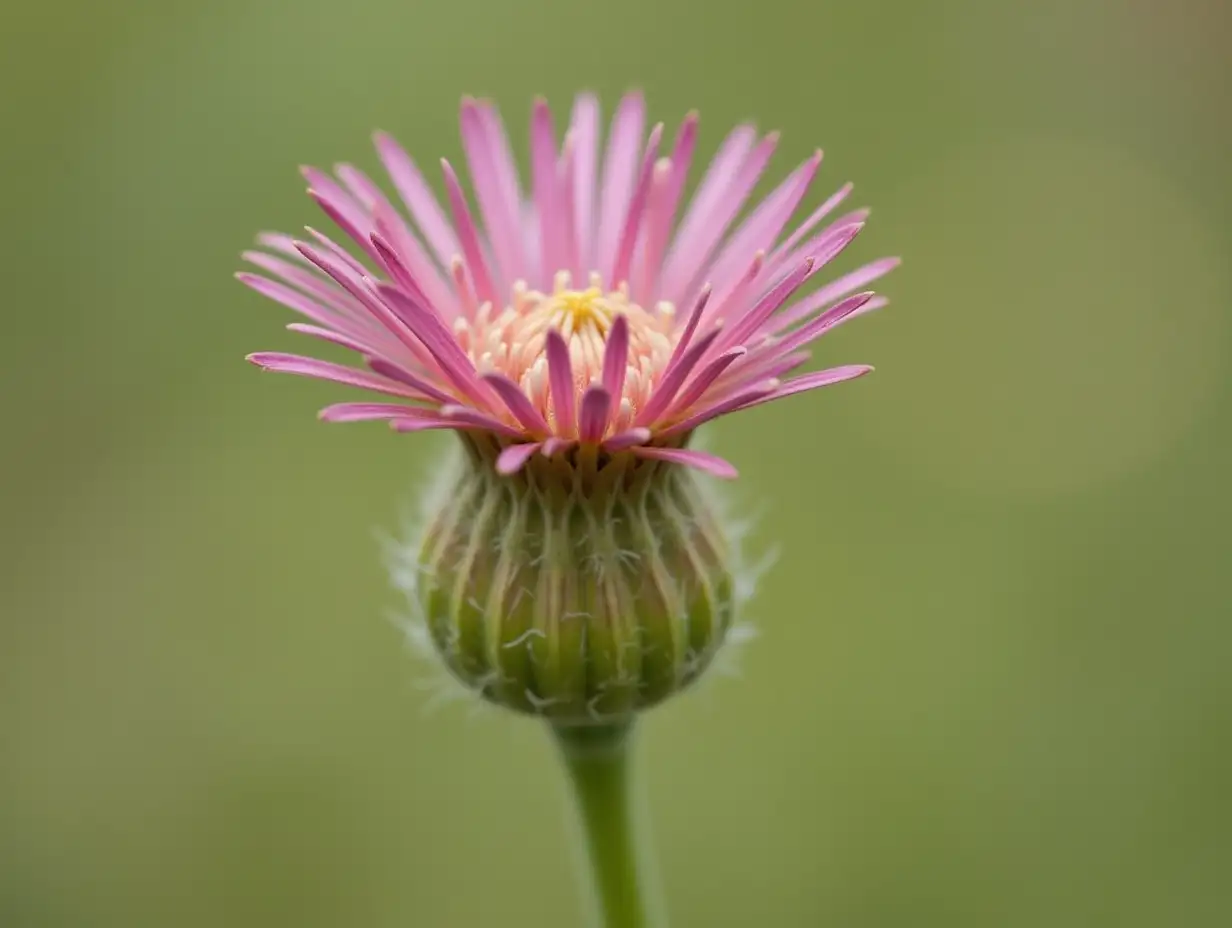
[[514, 458], [718, 408], [555, 444], [622, 263], [593, 416], [809, 224], [329, 335], [584, 128], [619, 169], [626, 440], [478, 420], [422, 425], [709, 463], [673, 378], [705, 377], [813, 381], [560, 380], [472, 249], [815, 328], [518, 403], [834, 290], [418, 197], [616, 357], [362, 412], [325, 370]]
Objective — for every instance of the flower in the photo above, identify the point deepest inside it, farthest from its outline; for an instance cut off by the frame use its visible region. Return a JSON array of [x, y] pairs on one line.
[[575, 339], [581, 317]]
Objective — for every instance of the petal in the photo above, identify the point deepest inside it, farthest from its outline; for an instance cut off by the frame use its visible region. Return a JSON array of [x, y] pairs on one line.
[[560, 379], [362, 412], [418, 197], [325, 370], [584, 128], [616, 357], [709, 463], [619, 167], [626, 440], [622, 263], [512, 459], [593, 416], [472, 249], [518, 403]]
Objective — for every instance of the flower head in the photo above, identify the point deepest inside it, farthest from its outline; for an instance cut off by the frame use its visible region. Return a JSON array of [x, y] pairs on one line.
[[582, 316], [575, 337]]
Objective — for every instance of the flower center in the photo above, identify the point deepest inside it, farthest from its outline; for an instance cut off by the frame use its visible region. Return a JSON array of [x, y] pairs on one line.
[[512, 341]]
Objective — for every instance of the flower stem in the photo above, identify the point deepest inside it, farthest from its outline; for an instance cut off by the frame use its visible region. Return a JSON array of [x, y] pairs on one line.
[[598, 759]]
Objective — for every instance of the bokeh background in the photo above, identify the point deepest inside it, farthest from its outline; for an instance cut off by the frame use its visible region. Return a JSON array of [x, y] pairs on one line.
[[992, 685]]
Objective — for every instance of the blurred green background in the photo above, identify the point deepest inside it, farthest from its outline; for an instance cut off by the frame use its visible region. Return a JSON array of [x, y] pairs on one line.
[[992, 684]]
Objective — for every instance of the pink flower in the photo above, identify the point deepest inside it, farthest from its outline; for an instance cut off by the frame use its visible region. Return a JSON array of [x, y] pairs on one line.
[[582, 313]]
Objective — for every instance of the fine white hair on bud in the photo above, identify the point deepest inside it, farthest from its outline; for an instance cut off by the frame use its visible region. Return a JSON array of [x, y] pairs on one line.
[[582, 589]]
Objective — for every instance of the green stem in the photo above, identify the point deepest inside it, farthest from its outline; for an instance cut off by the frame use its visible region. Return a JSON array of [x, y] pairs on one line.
[[598, 759]]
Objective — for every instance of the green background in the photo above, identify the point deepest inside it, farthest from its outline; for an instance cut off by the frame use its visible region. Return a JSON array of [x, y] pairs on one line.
[[992, 682]]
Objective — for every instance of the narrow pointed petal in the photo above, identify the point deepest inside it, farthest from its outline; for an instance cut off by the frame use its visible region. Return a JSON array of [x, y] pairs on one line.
[[326, 370], [514, 458], [666, 192], [837, 289], [812, 381], [584, 127], [672, 380], [714, 410], [623, 261], [593, 416], [560, 377], [418, 197], [423, 425], [555, 445], [815, 328], [548, 207], [417, 383], [626, 440], [616, 357], [700, 460], [472, 248], [740, 329], [364, 412], [518, 403], [619, 170], [695, 389], [810, 223], [329, 335], [486, 179], [475, 419]]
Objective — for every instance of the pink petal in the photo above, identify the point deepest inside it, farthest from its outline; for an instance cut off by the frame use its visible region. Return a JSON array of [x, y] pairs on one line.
[[716, 409], [705, 377], [560, 379], [763, 226], [593, 417], [616, 357], [518, 403], [623, 262], [619, 167], [832, 291], [555, 444], [812, 382], [507, 174], [472, 250], [319, 288], [431, 390], [422, 425], [362, 412], [298, 302], [326, 370], [807, 226], [434, 336], [741, 329], [548, 206], [815, 328], [584, 127], [690, 328], [329, 335], [687, 262], [661, 399], [514, 458], [501, 223], [665, 196], [709, 463], [417, 196], [478, 420], [626, 440]]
